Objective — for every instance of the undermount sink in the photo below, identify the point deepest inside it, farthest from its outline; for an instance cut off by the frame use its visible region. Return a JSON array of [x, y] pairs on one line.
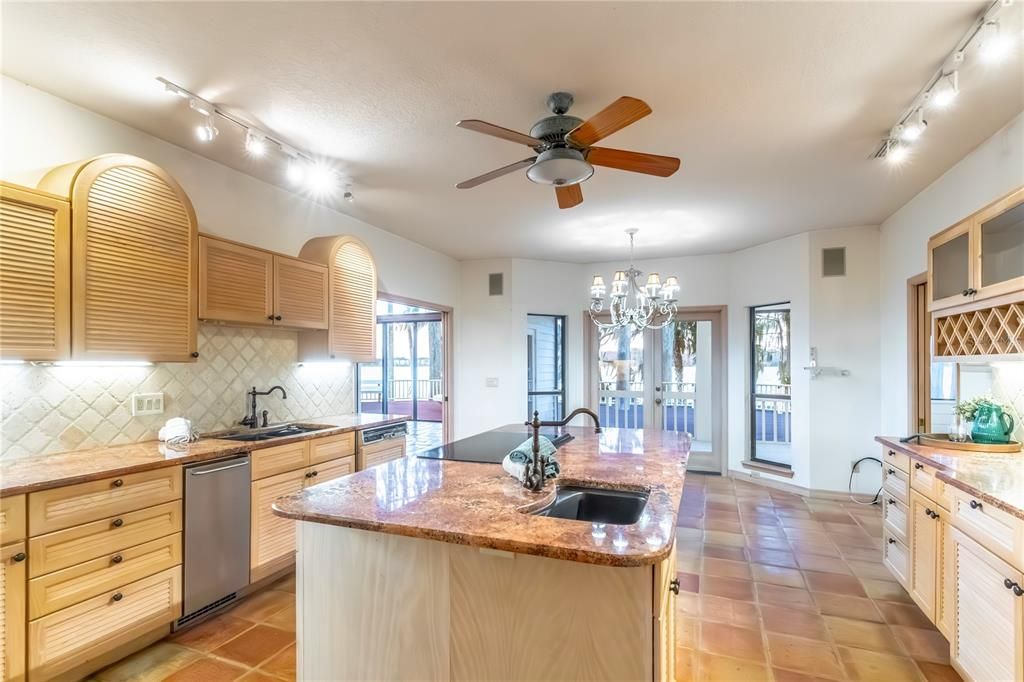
[[275, 432], [596, 505]]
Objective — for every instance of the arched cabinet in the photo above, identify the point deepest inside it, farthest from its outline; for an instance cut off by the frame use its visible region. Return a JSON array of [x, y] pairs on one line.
[[133, 260], [352, 318]]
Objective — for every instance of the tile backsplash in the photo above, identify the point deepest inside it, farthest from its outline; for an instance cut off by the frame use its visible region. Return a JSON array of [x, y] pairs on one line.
[[52, 409]]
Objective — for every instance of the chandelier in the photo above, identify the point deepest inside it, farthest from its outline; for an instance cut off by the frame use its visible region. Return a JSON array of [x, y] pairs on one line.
[[654, 304]]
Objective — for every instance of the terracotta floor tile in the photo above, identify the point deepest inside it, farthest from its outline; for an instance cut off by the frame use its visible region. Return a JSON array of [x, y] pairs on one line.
[[812, 537], [286, 584], [729, 640], [803, 655], [823, 564], [886, 590], [262, 605], [690, 522], [689, 564], [208, 669], [772, 557], [765, 531], [923, 644], [729, 611], [766, 542], [857, 608], [257, 676], [211, 634], [833, 582], [721, 669], [284, 619], [896, 613], [718, 537], [730, 588], [777, 575], [686, 665], [254, 646], [688, 604], [281, 664], [720, 552], [687, 632], [798, 622], [819, 548], [863, 634], [791, 676], [688, 582], [833, 517], [784, 596], [869, 666], [937, 672], [728, 526], [153, 663], [869, 569], [725, 568], [861, 553]]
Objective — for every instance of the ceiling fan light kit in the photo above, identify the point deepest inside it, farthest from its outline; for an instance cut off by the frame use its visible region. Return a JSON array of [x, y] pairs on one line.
[[565, 155]]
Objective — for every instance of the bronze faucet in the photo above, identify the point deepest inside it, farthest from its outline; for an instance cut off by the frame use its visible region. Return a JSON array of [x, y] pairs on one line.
[[534, 478]]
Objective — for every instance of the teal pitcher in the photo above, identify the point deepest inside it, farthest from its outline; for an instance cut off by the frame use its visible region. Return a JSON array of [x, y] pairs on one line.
[[991, 425]]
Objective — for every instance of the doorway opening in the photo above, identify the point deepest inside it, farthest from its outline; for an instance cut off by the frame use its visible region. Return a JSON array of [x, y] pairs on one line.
[[410, 374]]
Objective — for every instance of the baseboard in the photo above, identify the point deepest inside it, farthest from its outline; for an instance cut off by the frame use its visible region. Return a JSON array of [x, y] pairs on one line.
[[839, 495]]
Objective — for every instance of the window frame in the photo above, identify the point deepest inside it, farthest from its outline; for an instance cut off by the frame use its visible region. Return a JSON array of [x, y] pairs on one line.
[[560, 332]]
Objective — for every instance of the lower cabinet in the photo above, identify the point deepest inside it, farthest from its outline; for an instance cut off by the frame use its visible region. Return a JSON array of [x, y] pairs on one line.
[[666, 584], [925, 555], [988, 639], [12, 612]]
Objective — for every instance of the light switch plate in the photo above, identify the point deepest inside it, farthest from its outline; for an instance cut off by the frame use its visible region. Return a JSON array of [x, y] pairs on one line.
[[147, 403], [491, 382]]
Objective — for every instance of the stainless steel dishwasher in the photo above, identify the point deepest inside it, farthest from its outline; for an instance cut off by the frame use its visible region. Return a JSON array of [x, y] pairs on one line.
[[216, 561]]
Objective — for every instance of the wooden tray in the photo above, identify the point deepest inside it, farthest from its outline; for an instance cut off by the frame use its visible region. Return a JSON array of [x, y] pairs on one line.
[[941, 440]]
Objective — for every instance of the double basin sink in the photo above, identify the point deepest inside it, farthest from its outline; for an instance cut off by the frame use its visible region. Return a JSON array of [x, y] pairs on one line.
[[273, 432]]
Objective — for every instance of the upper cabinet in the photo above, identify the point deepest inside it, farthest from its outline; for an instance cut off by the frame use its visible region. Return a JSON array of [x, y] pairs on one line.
[[133, 260], [241, 284], [352, 328], [980, 258], [35, 275]]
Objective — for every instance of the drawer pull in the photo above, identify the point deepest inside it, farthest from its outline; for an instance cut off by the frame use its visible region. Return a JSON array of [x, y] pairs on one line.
[[892, 453], [315, 473], [674, 585], [975, 504], [891, 541], [20, 556], [891, 500], [117, 596], [117, 482], [928, 512], [117, 523], [892, 472], [309, 475], [116, 559], [1008, 584], [1017, 590], [918, 465]]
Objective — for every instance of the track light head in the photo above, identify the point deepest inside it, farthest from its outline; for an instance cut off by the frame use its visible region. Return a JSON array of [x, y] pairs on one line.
[[996, 46], [296, 170], [206, 131], [945, 90], [321, 179], [349, 197], [896, 152], [255, 143], [913, 128]]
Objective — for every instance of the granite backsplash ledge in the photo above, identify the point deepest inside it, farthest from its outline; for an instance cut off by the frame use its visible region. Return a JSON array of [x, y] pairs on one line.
[[56, 408]]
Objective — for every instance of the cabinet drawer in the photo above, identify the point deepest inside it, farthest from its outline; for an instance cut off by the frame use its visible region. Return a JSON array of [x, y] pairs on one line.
[[896, 459], [48, 553], [67, 638], [336, 468], [332, 447], [71, 505], [994, 529], [71, 585], [12, 519], [279, 459], [896, 482], [896, 557], [378, 454], [923, 479], [897, 518]]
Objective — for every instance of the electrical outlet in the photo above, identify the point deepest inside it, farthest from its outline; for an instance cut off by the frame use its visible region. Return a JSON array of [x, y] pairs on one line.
[[147, 403], [755, 474]]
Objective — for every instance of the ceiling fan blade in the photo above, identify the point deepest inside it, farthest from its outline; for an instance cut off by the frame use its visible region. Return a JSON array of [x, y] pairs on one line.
[[496, 173], [615, 116], [637, 162], [497, 131], [569, 195]]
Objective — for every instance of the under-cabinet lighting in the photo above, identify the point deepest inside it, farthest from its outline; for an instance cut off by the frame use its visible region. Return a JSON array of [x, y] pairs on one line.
[[94, 363], [12, 362]]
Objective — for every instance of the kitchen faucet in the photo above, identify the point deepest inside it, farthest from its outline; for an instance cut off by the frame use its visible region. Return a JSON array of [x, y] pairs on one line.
[[251, 420], [534, 478]]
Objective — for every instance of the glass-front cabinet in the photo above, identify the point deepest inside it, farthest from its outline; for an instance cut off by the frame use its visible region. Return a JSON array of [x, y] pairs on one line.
[[979, 258]]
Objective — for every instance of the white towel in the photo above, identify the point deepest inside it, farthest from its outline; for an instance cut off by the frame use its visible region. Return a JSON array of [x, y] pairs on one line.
[[516, 470], [177, 430]]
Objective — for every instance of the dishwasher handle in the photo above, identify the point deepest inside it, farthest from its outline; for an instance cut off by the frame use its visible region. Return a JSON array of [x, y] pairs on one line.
[[233, 465]]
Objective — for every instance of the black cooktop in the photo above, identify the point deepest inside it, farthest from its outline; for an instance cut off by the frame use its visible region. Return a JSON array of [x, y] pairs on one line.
[[490, 446]]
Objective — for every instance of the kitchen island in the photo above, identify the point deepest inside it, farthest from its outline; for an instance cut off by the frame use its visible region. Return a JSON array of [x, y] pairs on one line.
[[435, 569]]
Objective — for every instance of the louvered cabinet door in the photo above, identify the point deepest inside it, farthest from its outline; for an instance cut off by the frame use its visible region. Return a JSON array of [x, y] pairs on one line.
[[353, 323], [12, 612], [273, 537], [235, 283], [35, 275], [300, 293], [133, 263]]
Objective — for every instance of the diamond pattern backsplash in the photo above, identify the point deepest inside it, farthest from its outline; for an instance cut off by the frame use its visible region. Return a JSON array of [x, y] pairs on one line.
[[53, 409]]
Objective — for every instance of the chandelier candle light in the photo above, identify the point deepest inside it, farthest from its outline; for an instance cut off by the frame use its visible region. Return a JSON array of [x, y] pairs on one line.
[[655, 302]]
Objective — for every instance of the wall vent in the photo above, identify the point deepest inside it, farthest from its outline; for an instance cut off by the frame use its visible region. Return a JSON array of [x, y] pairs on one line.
[[496, 283], [833, 262]]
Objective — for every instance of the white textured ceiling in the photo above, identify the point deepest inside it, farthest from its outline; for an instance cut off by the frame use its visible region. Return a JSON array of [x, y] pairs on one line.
[[774, 108]]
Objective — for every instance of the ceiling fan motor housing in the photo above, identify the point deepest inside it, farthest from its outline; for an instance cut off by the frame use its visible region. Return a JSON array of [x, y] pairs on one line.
[[553, 129]]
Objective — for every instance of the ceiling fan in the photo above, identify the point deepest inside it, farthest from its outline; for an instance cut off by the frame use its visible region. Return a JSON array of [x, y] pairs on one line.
[[565, 155]]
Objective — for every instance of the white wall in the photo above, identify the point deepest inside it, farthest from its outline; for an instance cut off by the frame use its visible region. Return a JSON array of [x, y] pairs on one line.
[[993, 169]]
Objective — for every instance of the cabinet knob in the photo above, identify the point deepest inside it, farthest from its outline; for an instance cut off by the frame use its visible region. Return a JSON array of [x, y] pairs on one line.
[[674, 585], [1007, 583], [965, 292], [117, 483], [315, 473], [270, 317], [194, 354], [928, 512], [116, 559], [117, 596], [891, 500], [1018, 590], [891, 472], [309, 474], [918, 465], [892, 453], [117, 523], [20, 556], [975, 504], [277, 317], [891, 541]]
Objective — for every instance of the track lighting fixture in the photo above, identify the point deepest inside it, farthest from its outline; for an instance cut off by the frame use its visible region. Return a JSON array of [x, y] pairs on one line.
[[296, 170], [991, 45], [349, 197], [255, 143], [206, 131], [321, 179]]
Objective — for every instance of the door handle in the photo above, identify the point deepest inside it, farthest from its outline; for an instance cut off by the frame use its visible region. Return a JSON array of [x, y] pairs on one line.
[[657, 401]]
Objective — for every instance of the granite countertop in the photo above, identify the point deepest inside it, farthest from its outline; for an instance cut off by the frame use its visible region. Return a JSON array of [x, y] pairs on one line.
[[480, 505], [29, 474], [997, 479]]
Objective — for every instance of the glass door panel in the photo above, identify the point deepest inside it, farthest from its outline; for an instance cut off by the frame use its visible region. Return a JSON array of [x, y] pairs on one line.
[[399, 338], [950, 267], [371, 380], [1002, 247], [428, 388], [770, 399], [620, 371]]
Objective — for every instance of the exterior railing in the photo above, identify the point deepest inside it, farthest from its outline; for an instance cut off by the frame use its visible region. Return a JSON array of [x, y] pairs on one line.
[[401, 389]]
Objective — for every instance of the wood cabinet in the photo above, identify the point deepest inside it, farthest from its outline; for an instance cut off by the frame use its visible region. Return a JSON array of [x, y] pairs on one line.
[[980, 258], [35, 274], [988, 636], [242, 284], [352, 310], [666, 585], [12, 612], [273, 537], [134, 260], [379, 452], [925, 554]]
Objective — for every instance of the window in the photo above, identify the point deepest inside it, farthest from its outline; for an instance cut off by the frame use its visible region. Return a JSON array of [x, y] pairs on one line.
[[545, 366], [771, 417]]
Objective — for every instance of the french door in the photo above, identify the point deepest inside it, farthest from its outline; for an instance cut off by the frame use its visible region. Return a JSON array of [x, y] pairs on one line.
[[669, 378]]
